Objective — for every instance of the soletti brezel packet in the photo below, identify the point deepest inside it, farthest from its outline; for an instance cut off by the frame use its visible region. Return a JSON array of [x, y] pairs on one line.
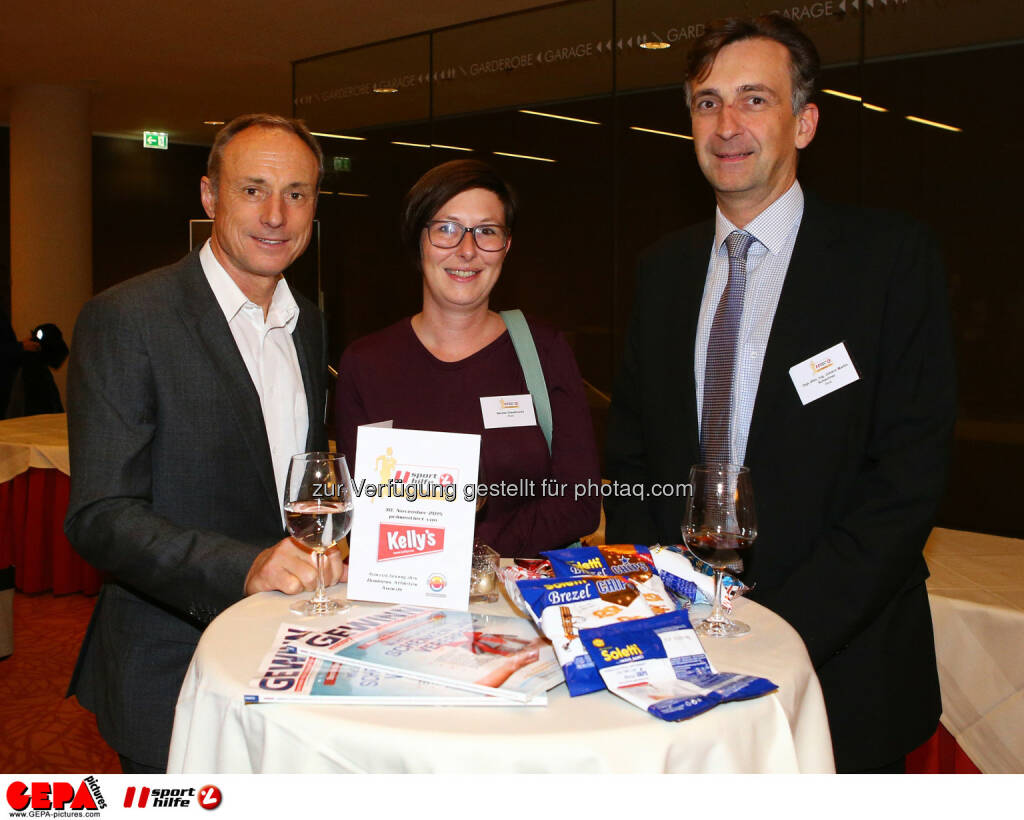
[[562, 606], [659, 665]]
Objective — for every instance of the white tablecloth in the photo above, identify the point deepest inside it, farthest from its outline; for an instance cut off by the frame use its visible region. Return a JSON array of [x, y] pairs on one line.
[[597, 733], [33, 441], [976, 592]]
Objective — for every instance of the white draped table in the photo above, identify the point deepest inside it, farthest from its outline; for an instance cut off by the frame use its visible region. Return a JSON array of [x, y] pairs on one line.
[[976, 592], [597, 733]]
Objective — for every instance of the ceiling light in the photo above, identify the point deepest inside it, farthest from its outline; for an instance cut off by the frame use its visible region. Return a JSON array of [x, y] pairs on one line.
[[854, 98], [523, 156], [662, 133], [449, 147], [842, 94], [411, 144], [213, 122], [655, 45], [934, 124], [557, 117], [385, 89], [344, 193], [336, 136]]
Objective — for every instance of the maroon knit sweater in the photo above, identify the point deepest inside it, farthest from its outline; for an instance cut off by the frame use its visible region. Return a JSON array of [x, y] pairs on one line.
[[391, 375]]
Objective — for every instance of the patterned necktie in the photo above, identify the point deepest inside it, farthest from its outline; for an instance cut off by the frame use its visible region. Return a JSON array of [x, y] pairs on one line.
[[716, 409]]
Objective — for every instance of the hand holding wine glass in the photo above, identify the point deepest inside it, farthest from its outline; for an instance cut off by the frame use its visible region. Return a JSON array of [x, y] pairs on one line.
[[720, 520], [318, 509]]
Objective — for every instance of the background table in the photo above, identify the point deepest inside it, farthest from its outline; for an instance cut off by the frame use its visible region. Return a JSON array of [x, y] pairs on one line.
[[976, 592], [597, 733], [34, 488]]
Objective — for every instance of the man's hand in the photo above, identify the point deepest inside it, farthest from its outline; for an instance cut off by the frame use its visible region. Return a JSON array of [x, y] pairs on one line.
[[289, 568]]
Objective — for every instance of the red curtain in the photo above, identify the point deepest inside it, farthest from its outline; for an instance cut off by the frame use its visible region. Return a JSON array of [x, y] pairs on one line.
[[32, 510]]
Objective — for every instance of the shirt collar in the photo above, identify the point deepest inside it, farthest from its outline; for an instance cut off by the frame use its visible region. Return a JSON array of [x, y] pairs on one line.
[[284, 311], [772, 226]]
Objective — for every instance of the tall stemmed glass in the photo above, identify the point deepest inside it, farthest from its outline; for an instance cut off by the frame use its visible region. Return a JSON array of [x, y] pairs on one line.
[[720, 519], [318, 508]]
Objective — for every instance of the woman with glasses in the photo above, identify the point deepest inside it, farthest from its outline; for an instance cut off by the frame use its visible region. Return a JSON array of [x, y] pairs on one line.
[[430, 371]]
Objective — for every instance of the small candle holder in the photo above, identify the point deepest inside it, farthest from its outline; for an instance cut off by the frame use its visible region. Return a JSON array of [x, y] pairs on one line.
[[483, 578]]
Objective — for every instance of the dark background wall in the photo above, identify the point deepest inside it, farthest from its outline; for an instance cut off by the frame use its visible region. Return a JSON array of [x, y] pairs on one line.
[[142, 202]]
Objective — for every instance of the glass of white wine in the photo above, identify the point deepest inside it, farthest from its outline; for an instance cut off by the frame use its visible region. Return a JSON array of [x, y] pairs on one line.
[[318, 510], [720, 521]]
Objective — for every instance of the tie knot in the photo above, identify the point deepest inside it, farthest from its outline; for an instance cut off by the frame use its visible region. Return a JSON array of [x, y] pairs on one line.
[[738, 243]]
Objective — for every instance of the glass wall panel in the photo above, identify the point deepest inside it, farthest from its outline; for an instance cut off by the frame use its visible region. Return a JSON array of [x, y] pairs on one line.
[[910, 119]]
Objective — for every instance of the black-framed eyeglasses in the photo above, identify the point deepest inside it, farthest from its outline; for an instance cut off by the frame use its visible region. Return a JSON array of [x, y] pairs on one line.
[[444, 233]]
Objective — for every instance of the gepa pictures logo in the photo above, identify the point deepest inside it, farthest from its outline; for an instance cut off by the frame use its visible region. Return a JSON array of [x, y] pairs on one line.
[[57, 795]]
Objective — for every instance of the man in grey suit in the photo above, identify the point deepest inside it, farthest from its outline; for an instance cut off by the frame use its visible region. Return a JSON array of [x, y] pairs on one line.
[[189, 389]]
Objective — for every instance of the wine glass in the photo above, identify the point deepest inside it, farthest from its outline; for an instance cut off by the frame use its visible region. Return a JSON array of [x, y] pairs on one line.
[[318, 509], [720, 520]]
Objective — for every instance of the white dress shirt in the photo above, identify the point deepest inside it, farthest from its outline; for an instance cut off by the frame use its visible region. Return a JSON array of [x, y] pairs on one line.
[[774, 230], [268, 351]]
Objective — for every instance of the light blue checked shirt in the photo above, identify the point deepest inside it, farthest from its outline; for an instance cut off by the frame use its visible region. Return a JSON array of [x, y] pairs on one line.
[[775, 230]]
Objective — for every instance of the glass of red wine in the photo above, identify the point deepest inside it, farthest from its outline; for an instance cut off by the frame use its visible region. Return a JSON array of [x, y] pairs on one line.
[[318, 510], [720, 521]]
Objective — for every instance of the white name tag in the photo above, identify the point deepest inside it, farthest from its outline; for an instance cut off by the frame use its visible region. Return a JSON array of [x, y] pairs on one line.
[[508, 411], [824, 373]]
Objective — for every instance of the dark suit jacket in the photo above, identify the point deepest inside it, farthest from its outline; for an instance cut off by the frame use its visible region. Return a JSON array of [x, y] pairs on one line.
[[172, 488], [846, 486]]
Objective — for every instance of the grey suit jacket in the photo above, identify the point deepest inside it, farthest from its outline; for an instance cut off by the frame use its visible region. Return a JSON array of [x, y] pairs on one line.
[[172, 488]]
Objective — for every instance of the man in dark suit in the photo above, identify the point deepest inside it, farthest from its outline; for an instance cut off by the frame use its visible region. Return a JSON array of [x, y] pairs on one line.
[[847, 474], [189, 389]]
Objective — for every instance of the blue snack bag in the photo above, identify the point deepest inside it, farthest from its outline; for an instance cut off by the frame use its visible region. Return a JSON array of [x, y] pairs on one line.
[[659, 665], [561, 606], [618, 560]]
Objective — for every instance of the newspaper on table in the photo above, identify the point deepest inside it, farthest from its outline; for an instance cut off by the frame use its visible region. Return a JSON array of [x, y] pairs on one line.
[[497, 655], [286, 676], [658, 665]]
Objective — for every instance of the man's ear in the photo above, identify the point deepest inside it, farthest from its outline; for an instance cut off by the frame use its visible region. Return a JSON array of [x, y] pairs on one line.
[[806, 125], [208, 194]]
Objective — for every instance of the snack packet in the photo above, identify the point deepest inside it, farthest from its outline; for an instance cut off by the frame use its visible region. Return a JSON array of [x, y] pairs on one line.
[[691, 579], [659, 665], [631, 561], [561, 606], [521, 570]]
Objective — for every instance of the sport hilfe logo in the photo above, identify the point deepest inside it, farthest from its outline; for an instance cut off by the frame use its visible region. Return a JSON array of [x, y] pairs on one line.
[[208, 797], [57, 795], [402, 541], [821, 364]]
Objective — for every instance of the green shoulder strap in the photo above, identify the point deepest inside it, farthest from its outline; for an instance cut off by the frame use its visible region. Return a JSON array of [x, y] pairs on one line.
[[526, 350]]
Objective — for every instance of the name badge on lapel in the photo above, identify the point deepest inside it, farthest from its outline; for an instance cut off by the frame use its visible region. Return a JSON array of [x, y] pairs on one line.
[[823, 374], [508, 411]]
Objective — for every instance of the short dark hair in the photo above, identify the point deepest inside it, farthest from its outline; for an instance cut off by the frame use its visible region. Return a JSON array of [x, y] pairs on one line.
[[804, 62], [441, 183], [240, 124]]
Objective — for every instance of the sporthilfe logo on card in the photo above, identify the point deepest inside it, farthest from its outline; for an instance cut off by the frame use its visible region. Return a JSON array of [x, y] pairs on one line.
[[824, 363], [403, 540]]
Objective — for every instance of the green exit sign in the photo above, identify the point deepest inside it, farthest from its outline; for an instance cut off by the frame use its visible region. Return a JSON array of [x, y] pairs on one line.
[[154, 139], [342, 163]]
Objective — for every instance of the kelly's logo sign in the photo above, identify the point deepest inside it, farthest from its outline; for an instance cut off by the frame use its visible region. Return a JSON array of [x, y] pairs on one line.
[[402, 540]]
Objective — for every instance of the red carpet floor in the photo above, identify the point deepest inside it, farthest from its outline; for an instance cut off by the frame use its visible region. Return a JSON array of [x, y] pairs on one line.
[[42, 731]]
